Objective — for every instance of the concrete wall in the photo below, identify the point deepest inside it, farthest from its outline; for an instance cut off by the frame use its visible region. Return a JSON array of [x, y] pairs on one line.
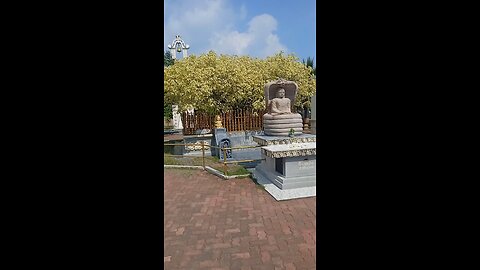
[[242, 138]]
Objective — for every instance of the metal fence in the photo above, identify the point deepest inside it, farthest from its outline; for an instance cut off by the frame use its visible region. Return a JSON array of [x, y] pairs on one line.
[[223, 149]]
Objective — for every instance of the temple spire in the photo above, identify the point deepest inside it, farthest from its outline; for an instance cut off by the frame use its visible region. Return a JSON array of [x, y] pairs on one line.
[[178, 45]]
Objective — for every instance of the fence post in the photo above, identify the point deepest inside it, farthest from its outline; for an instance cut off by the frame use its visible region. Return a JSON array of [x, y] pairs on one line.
[[203, 154], [224, 161]]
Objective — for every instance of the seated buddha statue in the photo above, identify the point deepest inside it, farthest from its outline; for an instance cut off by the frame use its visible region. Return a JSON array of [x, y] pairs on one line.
[[280, 104], [279, 119]]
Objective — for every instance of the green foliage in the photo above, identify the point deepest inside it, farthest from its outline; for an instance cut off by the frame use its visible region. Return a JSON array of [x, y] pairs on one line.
[[167, 110], [167, 59], [167, 107], [309, 63], [214, 84]]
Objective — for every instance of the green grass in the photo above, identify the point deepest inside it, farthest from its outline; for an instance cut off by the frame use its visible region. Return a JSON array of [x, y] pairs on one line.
[[238, 170], [190, 161]]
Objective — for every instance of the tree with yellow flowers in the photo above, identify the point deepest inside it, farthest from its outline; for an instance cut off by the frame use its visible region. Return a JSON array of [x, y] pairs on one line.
[[213, 84]]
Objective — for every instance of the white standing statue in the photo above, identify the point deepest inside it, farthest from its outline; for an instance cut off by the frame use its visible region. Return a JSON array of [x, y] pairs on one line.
[[177, 118]]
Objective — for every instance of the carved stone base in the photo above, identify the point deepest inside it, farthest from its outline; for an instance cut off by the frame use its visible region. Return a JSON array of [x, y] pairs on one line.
[[280, 125], [288, 168]]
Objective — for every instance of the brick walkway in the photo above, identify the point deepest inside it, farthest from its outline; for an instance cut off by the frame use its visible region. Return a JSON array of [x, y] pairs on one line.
[[210, 223]]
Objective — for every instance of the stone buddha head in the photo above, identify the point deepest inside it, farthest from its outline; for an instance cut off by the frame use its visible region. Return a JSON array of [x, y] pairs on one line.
[[280, 93], [280, 89]]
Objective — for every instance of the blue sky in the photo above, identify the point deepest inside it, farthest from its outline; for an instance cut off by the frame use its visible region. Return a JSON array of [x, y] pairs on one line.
[[258, 28]]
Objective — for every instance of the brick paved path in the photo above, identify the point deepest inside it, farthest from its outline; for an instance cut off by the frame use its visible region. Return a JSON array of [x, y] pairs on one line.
[[210, 223]]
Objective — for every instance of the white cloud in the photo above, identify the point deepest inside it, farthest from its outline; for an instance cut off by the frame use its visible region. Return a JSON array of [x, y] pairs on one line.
[[195, 21], [262, 24], [211, 25], [273, 45], [231, 43], [259, 40]]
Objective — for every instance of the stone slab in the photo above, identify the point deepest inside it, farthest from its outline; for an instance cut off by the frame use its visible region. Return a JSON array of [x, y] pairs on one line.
[[265, 140], [290, 150], [279, 194]]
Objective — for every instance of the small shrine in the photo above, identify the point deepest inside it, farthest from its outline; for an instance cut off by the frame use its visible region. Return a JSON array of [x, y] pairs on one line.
[[289, 157]]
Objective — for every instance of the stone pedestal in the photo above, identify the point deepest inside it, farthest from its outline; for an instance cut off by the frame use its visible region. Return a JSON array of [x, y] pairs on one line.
[[281, 125], [289, 168]]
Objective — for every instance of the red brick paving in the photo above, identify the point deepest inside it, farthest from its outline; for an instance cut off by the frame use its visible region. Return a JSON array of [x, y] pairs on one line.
[[210, 223]]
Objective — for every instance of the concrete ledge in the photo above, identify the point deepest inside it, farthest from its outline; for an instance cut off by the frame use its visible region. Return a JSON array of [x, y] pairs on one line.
[[208, 169], [220, 174], [182, 167], [215, 172]]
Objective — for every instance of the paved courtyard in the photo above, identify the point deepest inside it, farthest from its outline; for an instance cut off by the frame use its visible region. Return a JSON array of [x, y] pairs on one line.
[[210, 223]]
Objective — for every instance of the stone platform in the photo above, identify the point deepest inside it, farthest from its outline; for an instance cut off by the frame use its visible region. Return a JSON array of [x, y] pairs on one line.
[[286, 194], [288, 170]]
